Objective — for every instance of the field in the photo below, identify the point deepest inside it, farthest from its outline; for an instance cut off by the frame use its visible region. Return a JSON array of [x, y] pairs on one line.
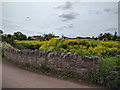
[[109, 52], [84, 47]]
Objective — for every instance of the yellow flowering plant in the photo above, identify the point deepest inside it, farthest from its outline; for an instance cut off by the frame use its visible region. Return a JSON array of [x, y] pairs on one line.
[[85, 46]]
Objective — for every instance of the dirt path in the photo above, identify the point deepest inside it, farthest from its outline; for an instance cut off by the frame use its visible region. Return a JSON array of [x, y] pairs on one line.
[[15, 77]]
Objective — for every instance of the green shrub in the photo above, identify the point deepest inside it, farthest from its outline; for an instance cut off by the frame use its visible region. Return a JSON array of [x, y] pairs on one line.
[[27, 46], [73, 43], [108, 74]]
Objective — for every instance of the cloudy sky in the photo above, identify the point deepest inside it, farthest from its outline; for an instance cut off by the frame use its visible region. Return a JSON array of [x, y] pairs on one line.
[[69, 18]]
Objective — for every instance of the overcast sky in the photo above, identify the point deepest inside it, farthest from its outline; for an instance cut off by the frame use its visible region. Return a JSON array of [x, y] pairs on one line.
[[69, 18]]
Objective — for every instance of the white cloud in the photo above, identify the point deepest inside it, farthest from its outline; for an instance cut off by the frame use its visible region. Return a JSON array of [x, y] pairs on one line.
[[67, 5]]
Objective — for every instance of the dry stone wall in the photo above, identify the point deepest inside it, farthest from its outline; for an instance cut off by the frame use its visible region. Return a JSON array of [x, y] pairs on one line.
[[53, 60]]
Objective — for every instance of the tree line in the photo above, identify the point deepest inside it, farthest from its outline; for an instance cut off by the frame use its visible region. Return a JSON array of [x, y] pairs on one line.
[[109, 36], [45, 37], [20, 36]]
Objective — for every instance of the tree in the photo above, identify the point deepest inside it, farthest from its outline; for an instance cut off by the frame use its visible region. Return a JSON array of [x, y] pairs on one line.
[[29, 38], [93, 37], [115, 36], [47, 37], [64, 37], [78, 37], [100, 36], [1, 32], [8, 38], [19, 36], [109, 36]]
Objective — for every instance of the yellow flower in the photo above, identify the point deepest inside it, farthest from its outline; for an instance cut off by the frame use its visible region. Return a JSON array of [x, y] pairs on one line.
[[86, 46]]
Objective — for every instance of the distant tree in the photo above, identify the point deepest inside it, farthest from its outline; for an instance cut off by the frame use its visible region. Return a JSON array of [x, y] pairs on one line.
[[64, 37], [1, 32], [8, 38], [87, 38], [93, 37], [19, 36], [78, 37], [29, 38], [96, 38], [109, 36], [47, 37], [115, 36], [100, 36]]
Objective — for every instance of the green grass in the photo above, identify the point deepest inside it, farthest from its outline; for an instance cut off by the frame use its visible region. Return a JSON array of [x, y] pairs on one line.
[[26, 40], [109, 62]]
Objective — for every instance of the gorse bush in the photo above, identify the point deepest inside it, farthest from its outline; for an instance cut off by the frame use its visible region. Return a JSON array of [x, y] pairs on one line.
[[28, 45], [84, 47]]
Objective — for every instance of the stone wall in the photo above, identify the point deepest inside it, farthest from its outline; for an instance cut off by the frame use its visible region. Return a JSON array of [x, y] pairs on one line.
[[57, 60]]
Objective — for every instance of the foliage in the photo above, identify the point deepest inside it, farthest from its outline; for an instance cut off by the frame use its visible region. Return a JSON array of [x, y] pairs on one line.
[[5, 45], [108, 74], [11, 38], [84, 47], [19, 36], [1, 32], [109, 36], [28, 44], [47, 37], [8, 38]]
